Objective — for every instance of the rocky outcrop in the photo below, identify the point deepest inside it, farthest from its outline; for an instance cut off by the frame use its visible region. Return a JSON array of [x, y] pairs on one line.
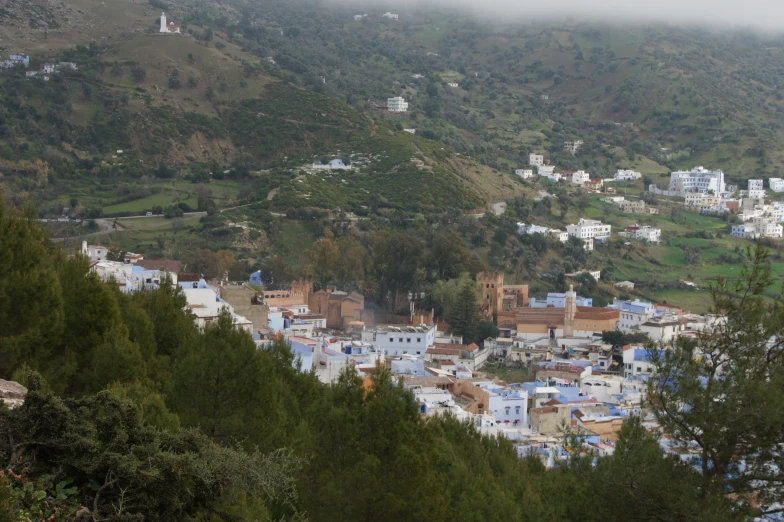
[[12, 393]]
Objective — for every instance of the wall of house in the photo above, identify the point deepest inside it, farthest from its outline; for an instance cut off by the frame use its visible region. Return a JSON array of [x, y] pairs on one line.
[[241, 298], [606, 429], [479, 396], [549, 420]]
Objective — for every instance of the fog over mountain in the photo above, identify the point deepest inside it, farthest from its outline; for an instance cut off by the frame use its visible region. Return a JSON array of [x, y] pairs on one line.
[[767, 14]]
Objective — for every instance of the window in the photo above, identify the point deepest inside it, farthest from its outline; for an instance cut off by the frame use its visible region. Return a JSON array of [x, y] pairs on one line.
[[195, 285], [391, 339], [419, 339], [408, 339], [639, 369], [405, 351], [400, 340], [419, 353]]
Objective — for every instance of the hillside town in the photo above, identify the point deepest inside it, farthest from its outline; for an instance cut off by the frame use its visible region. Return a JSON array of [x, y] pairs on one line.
[[584, 376], [699, 190]]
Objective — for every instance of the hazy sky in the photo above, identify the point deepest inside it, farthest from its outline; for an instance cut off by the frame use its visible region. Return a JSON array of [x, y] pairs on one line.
[[761, 13]]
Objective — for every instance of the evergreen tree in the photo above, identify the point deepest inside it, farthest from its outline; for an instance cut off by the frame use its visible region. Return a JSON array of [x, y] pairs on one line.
[[31, 302], [726, 395], [217, 385], [463, 314]]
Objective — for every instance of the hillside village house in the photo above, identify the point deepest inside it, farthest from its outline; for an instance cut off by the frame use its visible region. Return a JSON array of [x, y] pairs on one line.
[[397, 104], [524, 173], [15, 60], [535, 160], [335, 164], [580, 177], [648, 233], [755, 189], [627, 175], [592, 229], [396, 341], [391, 16], [573, 146], [758, 227], [776, 184], [632, 207]]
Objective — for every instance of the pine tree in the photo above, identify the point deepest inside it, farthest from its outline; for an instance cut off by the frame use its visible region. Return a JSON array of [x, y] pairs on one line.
[[463, 313], [727, 394]]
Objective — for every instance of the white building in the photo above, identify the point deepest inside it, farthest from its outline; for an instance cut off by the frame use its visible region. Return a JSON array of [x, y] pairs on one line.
[[171, 27], [548, 171], [662, 328], [580, 177], [508, 406], [573, 146], [524, 173], [453, 85], [589, 229], [776, 184], [206, 305], [637, 362], [391, 16], [535, 160], [360, 17], [560, 235], [557, 300], [627, 175], [648, 233], [395, 341], [335, 164], [410, 131], [94, 252], [698, 179], [15, 60], [397, 104]]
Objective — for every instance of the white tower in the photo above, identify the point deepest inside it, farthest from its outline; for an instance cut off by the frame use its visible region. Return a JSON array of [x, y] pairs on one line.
[[164, 27]]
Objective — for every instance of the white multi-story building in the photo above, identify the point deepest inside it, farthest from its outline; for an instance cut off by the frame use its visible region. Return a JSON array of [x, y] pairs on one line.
[[580, 177], [633, 314], [698, 179], [756, 190], [391, 16], [396, 341], [627, 175], [397, 104], [589, 229], [573, 146], [508, 406], [776, 184], [535, 160], [524, 173]]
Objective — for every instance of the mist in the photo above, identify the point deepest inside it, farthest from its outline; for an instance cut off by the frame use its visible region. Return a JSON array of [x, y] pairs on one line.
[[768, 14]]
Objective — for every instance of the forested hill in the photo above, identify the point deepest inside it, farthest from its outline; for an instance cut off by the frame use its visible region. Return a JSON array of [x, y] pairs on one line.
[[250, 87], [709, 96]]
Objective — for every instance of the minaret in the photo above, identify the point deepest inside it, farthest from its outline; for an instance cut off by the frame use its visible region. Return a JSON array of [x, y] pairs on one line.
[[164, 27], [570, 310]]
